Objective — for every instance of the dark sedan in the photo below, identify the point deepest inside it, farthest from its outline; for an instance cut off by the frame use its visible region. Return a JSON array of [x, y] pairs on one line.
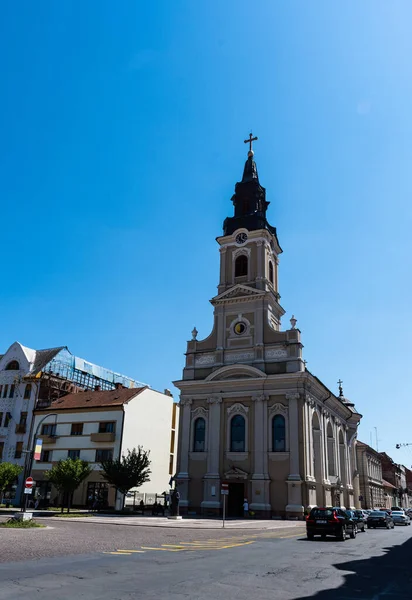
[[330, 521], [359, 517], [380, 518]]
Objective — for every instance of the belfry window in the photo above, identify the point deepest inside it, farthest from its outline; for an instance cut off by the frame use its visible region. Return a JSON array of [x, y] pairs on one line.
[[237, 434], [199, 435], [241, 266], [278, 434], [271, 272]]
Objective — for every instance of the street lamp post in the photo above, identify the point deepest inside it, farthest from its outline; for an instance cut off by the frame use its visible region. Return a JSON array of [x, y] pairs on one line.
[[29, 459]]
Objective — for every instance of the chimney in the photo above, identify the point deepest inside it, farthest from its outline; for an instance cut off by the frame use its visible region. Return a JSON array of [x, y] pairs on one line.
[[97, 388], [167, 392], [118, 385]]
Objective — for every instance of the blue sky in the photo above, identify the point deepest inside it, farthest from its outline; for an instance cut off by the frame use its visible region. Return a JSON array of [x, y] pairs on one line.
[[122, 138]]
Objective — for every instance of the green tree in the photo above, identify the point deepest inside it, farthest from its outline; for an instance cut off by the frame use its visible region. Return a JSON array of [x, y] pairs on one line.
[[66, 477], [127, 472], [8, 475]]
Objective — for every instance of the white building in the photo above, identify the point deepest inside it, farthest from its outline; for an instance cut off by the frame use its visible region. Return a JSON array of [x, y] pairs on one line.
[[96, 425], [30, 377]]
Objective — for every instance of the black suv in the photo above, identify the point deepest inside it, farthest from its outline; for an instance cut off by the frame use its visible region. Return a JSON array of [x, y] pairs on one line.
[[330, 521]]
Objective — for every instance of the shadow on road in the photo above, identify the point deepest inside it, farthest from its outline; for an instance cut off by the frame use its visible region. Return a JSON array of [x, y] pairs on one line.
[[386, 577]]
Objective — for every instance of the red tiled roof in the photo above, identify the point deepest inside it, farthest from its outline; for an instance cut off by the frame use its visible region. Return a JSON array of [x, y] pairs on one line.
[[95, 399], [387, 484]]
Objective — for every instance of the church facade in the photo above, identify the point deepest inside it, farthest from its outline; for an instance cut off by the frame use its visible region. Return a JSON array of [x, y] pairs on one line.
[[251, 414]]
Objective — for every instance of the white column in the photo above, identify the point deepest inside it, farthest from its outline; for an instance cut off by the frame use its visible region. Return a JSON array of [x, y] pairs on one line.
[[294, 481], [260, 499], [294, 467], [211, 491], [213, 446], [185, 404], [182, 478], [325, 446]]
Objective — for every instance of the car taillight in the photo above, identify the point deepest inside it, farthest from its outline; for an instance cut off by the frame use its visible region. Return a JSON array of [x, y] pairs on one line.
[[309, 520], [334, 519]]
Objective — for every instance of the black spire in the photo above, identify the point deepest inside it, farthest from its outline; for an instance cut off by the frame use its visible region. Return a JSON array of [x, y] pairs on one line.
[[249, 200]]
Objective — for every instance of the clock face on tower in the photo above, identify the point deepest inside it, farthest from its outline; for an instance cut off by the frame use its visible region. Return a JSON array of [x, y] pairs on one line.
[[241, 238]]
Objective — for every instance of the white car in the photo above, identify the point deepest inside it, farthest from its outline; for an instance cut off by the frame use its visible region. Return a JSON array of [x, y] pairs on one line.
[[400, 517]]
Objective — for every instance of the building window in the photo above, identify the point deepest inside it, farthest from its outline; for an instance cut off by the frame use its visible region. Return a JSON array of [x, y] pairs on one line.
[[27, 391], [13, 366], [199, 436], [278, 434], [5, 390], [23, 419], [104, 454], [12, 388], [19, 450], [171, 465], [7, 419], [271, 272], [172, 442], [107, 427], [1, 418], [1, 390], [48, 429], [77, 429], [73, 454], [1, 450], [45, 456], [237, 434], [241, 266]]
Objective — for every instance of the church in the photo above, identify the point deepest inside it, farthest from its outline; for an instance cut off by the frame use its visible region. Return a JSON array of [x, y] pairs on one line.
[[252, 415]]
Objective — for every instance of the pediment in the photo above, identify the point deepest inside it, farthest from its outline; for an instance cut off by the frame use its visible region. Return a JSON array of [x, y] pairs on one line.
[[236, 372], [238, 291], [236, 473]]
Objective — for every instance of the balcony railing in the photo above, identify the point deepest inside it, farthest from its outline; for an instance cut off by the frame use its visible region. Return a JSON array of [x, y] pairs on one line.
[[102, 437], [48, 439]]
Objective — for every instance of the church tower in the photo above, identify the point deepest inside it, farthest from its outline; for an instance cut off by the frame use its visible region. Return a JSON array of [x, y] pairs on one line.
[[244, 417]]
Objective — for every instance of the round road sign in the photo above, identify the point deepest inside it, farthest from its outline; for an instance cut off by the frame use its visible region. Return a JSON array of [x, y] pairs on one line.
[[29, 482]]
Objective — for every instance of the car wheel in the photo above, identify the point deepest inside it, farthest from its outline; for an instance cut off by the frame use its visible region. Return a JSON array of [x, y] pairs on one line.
[[353, 533], [388, 525], [342, 535], [369, 527], [363, 529]]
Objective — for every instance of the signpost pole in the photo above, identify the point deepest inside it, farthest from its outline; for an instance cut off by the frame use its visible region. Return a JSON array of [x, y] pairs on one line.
[[224, 510]]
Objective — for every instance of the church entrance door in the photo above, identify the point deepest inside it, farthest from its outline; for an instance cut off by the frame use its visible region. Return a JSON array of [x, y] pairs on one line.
[[235, 499]]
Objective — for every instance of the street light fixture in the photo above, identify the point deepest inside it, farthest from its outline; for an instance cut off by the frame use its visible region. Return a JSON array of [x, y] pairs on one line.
[[29, 459]]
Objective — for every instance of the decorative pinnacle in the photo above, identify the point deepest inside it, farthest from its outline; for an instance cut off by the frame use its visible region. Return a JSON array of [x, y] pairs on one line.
[[340, 388], [194, 334], [293, 322], [250, 142]]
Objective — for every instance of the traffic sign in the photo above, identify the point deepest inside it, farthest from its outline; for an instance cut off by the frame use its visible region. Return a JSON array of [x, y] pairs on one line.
[[224, 492], [28, 490], [29, 482], [225, 486]]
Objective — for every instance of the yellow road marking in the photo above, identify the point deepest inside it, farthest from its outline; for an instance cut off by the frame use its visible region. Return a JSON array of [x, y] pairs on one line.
[[132, 551], [164, 549], [119, 553]]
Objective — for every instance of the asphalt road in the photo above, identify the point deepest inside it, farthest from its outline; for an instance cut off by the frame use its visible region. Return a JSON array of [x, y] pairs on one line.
[[206, 565]]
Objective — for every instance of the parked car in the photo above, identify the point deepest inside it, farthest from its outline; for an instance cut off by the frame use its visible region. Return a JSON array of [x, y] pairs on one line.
[[400, 517], [330, 521], [360, 517], [380, 518]]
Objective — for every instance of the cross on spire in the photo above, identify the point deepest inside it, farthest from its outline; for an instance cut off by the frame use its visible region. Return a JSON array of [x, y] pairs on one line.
[[340, 387], [250, 141]]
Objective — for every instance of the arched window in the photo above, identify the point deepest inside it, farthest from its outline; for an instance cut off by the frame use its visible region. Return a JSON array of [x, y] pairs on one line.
[[271, 272], [199, 435], [278, 434], [241, 266], [13, 366], [237, 434]]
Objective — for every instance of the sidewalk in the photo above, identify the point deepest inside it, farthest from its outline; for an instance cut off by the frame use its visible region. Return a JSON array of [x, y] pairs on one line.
[[187, 523]]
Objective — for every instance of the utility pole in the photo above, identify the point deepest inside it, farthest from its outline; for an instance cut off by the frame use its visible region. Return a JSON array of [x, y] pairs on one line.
[[376, 439]]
